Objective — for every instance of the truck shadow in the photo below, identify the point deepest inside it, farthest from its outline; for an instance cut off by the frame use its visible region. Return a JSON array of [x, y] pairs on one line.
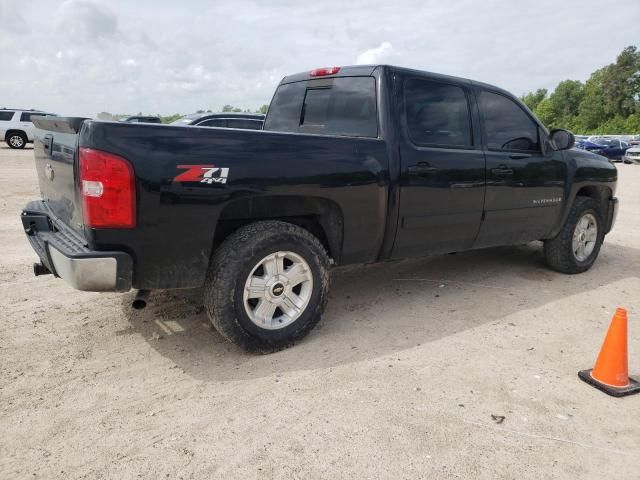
[[378, 310]]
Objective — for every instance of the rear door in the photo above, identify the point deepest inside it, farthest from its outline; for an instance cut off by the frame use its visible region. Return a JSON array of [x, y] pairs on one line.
[[442, 178], [525, 188]]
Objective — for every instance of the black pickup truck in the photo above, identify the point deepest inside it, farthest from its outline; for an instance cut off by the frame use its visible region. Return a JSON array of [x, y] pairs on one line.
[[355, 164]]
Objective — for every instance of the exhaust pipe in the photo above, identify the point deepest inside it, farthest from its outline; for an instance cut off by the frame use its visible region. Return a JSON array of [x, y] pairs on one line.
[[140, 300], [40, 269]]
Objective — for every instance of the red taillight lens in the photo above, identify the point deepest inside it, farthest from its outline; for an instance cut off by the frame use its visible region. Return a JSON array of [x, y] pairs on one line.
[[107, 187], [323, 72]]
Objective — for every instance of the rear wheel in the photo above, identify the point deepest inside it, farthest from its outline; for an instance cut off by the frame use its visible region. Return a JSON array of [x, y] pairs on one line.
[[267, 285], [16, 140], [577, 245]]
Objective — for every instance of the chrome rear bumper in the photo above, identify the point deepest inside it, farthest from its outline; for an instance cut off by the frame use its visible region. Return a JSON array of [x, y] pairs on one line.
[[66, 254]]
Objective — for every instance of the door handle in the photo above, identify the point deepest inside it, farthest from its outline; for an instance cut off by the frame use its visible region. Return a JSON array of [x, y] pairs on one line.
[[502, 171], [421, 168]]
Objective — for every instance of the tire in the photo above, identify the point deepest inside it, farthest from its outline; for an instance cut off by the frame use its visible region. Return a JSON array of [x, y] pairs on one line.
[[16, 140], [559, 251], [247, 257]]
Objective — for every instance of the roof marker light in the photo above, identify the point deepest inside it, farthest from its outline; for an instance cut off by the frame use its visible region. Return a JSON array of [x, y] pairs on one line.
[[323, 72]]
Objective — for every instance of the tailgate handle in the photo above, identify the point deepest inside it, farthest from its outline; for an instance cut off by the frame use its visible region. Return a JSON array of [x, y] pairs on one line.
[[47, 141]]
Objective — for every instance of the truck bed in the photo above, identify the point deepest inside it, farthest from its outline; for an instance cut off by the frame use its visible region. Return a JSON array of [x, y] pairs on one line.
[[303, 176]]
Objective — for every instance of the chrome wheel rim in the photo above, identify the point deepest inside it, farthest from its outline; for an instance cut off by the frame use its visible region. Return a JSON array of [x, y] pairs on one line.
[[278, 290], [16, 141], [585, 236]]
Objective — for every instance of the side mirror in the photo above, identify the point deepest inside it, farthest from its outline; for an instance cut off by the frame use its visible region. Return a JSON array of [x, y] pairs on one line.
[[562, 139]]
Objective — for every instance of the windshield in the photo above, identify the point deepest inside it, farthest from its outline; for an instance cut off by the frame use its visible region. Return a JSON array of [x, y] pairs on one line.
[[603, 141]]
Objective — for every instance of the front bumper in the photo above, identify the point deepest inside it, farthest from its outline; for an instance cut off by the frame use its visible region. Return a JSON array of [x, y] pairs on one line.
[[612, 214], [66, 254], [631, 159]]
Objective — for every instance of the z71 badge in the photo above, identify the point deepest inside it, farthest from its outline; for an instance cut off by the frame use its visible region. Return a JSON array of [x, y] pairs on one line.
[[203, 174]]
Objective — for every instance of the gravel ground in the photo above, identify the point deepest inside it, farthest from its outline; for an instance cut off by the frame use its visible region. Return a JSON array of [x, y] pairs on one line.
[[408, 376]]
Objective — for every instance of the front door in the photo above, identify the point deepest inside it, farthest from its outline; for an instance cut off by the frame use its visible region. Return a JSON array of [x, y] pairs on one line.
[[525, 188], [442, 177]]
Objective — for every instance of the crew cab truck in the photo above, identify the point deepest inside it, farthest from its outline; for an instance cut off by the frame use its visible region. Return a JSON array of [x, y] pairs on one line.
[[354, 165]]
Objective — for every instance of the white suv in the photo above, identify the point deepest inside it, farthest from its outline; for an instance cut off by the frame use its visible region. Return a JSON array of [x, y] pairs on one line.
[[16, 127]]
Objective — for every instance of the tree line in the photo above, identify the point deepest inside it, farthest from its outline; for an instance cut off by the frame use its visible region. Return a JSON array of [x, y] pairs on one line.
[[608, 102], [176, 116]]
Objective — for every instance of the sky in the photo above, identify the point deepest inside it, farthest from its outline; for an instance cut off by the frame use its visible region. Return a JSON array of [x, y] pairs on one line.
[[81, 57]]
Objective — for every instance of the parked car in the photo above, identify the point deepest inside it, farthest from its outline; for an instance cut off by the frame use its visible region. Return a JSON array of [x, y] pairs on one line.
[[16, 126], [612, 148], [632, 155], [354, 165], [635, 140], [250, 121], [143, 119]]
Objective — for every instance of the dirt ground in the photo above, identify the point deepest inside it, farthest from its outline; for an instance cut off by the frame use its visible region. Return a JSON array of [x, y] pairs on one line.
[[400, 380]]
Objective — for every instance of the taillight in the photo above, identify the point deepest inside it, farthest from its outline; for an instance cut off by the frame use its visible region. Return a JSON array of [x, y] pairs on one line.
[[323, 72], [107, 187]]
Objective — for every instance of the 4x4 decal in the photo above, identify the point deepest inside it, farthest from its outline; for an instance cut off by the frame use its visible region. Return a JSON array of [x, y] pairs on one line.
[[203, 174]]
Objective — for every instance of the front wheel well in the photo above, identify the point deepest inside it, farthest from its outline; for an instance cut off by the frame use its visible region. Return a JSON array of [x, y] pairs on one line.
[[600, 194]]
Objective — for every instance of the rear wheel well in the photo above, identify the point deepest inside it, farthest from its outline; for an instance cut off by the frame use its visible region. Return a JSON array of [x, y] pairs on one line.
[[320, 217], [11, 132]]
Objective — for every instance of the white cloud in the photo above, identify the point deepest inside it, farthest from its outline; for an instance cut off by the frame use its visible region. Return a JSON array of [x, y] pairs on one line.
[[167, 57], [380, 54]]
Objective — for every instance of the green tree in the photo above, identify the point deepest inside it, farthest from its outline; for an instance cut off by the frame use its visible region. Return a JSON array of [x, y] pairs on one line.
[[531, 99], [227, 108], [565, 102], [263, 108], [544, 111], [591, 112], [170, 118], [621, 84]]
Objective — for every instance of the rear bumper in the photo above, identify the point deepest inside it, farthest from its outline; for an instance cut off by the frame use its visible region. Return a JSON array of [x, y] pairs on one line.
[[66, 254], [612, 213]]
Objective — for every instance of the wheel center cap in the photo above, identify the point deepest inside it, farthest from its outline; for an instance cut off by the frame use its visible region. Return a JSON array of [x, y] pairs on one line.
[[277, 289]]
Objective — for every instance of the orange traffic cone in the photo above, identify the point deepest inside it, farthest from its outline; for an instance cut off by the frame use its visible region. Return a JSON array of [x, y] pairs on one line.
[[611, 372]]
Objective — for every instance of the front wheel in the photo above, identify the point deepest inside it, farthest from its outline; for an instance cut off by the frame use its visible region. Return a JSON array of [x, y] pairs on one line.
[[267, 285], [577, 245], [16, 140]]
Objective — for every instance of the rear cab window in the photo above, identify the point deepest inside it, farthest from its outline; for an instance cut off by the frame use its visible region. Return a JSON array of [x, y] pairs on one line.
[[343, 106]]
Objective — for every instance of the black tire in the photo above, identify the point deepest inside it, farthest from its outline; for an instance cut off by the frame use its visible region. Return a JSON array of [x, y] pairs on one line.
[[16, 140], [234, 261], [559, 250]]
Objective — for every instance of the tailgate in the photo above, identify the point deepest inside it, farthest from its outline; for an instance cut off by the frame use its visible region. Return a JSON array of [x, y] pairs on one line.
[[55, 150]]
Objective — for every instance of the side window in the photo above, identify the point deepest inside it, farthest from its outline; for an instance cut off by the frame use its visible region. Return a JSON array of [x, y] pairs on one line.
[[214, 122], [507, 126], [437, 114], [25, 117], [245, 123], [6, 116]]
